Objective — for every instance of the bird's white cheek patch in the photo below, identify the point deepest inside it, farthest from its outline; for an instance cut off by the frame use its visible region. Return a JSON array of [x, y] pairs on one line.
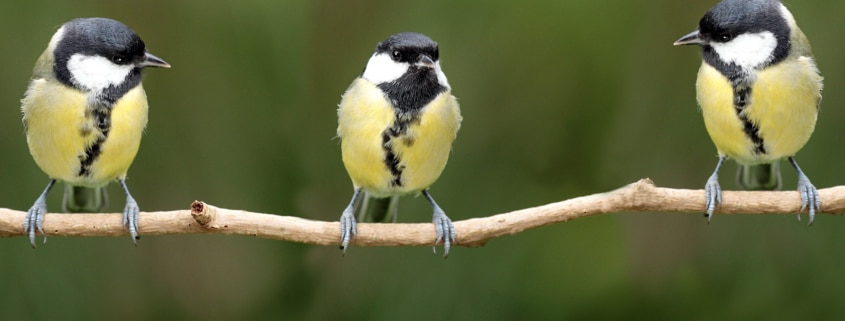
[[382, 69], [750, 50], [441, 77], [96, 73]]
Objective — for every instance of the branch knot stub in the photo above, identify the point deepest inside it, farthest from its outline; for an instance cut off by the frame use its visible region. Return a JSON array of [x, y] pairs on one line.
[[203, 214], [640, 194]]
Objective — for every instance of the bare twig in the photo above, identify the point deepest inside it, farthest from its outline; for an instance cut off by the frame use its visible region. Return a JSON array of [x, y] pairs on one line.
[[642, 196]]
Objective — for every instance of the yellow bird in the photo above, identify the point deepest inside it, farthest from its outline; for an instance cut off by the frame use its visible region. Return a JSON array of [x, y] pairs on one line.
[[84, 112], [759, 91], [396, 123]]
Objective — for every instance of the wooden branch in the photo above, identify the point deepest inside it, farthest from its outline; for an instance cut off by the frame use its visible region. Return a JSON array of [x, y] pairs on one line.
[[642, 196]]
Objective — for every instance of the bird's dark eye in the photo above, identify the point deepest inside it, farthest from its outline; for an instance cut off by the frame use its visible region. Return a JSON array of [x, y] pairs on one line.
[[725, 37], [118, 59], [396, 54]]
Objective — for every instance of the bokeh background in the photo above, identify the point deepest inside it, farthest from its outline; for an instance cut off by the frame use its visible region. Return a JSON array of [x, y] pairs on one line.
[[560, 99]]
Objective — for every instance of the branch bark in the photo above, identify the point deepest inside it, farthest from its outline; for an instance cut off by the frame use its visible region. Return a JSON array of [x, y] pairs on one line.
[[641, 196]]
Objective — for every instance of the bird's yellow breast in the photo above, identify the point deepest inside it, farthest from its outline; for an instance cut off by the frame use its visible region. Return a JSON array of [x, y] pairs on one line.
[[422, 151], [59, 129], [783, 105]]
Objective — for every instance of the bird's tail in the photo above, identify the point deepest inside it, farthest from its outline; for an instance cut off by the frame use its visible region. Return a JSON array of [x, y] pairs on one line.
[[84, 199], [759, 177], [377, 210]]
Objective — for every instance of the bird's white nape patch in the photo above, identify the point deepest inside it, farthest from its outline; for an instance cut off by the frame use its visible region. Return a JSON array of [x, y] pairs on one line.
[[790, 20], [748, 50], [441, 77], [382, 69], [58, 36], [96, 73]]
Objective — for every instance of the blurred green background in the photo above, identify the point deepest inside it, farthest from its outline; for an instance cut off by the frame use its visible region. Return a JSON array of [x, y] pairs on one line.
[[560, 99]]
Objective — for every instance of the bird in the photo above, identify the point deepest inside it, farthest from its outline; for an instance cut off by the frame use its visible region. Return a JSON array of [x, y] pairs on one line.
[[396, 123], [84, 112], [759, 91]]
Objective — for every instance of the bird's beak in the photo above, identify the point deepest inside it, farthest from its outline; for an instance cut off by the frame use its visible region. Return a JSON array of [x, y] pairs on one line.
[[692, 38], [151, 60], [425, 61]]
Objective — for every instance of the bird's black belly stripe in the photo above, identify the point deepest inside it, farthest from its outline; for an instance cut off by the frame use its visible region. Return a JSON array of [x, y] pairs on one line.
[[102, 118], [409, 95], [741, 82], [742, 97], [390, 137]]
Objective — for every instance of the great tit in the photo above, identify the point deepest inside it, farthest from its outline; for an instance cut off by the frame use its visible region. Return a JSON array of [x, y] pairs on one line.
[[84, 112], [396, 123], [759, 91]]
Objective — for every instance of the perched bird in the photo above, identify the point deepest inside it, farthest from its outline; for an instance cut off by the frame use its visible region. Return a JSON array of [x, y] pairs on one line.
[[396, 123], [84, 112], [759, 91]]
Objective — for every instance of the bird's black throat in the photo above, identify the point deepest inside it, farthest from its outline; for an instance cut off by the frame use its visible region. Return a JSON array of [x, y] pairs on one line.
[[413, 90]]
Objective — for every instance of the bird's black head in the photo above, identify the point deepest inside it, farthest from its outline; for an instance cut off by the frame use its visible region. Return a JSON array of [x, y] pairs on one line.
[[740, 36], [102, 37], [406, 67], [731, 18], [100, 55], [409, 47]]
